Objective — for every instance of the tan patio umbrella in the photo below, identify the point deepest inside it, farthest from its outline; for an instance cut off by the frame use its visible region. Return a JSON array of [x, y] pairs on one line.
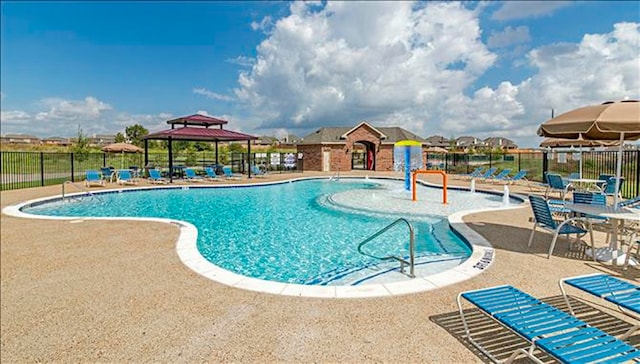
[[608, 121], [436, 150], [122, 148], [564, 143]]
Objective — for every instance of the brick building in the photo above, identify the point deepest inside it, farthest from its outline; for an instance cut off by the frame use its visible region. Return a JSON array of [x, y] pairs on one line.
[[362, 147]]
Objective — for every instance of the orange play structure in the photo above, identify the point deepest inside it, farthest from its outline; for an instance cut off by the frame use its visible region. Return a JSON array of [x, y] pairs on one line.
[[423, 171]]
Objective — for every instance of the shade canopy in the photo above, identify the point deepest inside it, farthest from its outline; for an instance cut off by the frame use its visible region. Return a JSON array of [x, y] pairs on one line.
[[197, 119], [560, 143], [122, 148], [436, 150], [200, 134], [607, 121]]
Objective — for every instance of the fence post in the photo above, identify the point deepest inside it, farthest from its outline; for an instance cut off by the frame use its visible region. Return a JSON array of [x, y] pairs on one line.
[[545, 165], [519, 161], [41, 169], [72, 172], [637, 191]]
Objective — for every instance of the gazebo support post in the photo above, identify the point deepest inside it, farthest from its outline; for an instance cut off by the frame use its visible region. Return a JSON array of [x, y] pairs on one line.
[[170, 161], [249, 158], [146, 153], [216, 152]]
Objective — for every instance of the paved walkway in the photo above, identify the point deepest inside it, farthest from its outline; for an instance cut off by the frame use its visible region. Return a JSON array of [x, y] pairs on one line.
[[116, 291]]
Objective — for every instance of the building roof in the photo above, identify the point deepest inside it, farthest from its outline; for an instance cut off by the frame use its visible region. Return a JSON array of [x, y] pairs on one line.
[[203, 134], [197, 119], [335, 135], [20, 136], [438, 140]]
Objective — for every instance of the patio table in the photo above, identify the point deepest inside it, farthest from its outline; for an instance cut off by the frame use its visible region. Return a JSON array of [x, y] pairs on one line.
[[586, 184], [617, 216]]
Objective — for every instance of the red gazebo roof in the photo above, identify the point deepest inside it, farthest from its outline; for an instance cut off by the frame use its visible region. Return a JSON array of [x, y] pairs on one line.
[[205, 134], [197, 119]]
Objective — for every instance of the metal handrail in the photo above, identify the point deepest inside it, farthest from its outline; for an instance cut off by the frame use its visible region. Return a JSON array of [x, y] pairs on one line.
[[80, 188], [412, 246], [336, 176]]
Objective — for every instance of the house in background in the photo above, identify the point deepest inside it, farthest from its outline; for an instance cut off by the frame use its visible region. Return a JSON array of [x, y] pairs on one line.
[[438, 141], [99, 140], [363, 147], [19, 139], [56, 141], [500, 143]]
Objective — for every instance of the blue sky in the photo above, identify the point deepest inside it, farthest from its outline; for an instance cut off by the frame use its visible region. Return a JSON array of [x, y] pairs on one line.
[[452, 69]]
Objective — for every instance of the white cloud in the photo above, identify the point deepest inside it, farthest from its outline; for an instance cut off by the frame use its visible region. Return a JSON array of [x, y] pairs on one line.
[[397, 64], [14, 117], [352, 61], [509, 36], [243, 61], [511, 10], [212, 95], [2, 95], [265, 24], [72, 110]]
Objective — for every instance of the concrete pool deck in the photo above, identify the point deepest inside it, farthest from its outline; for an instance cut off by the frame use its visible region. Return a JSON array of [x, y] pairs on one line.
[[116, 291]]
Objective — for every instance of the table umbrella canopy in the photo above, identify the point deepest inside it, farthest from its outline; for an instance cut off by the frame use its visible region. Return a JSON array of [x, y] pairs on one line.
[[122, 148], [561, 142], [436, 150], [607, 121]]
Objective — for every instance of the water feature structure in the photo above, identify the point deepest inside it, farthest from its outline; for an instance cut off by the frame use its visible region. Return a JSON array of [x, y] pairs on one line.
[[407, 157]]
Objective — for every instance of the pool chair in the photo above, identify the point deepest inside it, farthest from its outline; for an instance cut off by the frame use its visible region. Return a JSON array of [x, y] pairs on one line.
[[257, 172], [93, 178], [542, 218], [555, 183], [625, 295], [609, 188], [210, 174], [230, 175], [125, 178], [561, 335], [156, 178], [632, 202], [500, 177], [520, 176], [107, 174], [475, 174], [191, 176], [488, 174]]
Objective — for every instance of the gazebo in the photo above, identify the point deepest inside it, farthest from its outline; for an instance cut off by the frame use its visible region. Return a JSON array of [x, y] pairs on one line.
[[197, 127]]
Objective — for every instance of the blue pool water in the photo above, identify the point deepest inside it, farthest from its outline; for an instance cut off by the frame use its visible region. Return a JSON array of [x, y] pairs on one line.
[[302, 232]]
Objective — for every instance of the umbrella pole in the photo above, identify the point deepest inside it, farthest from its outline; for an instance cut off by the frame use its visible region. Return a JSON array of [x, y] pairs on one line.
[[580, 162], [618, 171]]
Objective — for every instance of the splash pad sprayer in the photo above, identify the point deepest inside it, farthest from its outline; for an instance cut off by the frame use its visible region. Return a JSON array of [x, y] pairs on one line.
[[444, 183], [473, 185], [407, 157], [505, 196]]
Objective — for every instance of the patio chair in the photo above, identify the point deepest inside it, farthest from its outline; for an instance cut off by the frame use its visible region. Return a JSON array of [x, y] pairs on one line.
[[557, 184], [257, 172], [107, 173], [156, 178], [609, 188], [125, 177], [632, 202], [604, 178], [210, 174], [230, 175], [557, 333], [191, 176], [542, 218], [594, 222], [625, 295], [93, 178]]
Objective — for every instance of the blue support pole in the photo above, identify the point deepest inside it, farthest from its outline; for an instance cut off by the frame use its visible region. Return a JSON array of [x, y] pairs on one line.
[[407, 168]]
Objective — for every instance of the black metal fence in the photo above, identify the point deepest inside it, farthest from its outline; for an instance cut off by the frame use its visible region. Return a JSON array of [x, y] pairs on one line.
[[34, 169]]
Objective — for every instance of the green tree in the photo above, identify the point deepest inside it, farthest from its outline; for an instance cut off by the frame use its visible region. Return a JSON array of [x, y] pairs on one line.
[[80, 148], [120, 138], [135, 133]]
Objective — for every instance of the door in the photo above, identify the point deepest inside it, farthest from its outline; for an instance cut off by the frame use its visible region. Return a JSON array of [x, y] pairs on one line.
[[326, 161]]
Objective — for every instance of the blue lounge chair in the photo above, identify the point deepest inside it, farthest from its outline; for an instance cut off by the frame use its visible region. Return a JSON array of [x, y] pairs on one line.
[[125, 177], [257, 172], [156, 177], [107, 174], [230, 175], [210, 174], [625, 295], [474, 174], [632, 202], [191, 176], [93, 178], [542, 218], [520, 176], [544, 327], [488, 174], [500, 177], [609, 188]]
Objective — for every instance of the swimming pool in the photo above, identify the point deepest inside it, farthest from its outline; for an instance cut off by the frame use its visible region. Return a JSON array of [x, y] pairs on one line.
[[303, 232]]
